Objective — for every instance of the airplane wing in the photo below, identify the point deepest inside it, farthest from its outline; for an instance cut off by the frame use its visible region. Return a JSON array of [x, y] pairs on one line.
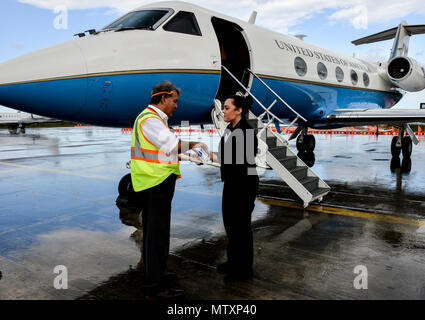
[[28, 121], [377, 116]]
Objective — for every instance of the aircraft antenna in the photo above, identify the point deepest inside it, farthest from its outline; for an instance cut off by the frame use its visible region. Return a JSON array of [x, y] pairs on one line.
[[253, 17], [301, 36]]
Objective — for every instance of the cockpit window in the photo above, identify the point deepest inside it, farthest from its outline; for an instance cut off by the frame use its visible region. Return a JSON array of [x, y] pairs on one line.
[[184, 22], [144, 19]]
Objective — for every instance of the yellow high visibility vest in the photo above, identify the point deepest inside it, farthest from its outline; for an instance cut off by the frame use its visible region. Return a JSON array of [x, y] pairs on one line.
[[149, 165]]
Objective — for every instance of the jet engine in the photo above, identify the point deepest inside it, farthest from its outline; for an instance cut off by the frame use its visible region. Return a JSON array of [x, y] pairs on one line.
[[406, 73]]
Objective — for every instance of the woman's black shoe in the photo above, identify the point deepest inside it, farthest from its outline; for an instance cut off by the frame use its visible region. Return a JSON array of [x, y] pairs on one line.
[[223, 268], [168, 279]]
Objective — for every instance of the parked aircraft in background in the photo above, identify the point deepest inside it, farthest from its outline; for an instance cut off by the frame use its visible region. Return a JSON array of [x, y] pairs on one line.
[[17, 121]]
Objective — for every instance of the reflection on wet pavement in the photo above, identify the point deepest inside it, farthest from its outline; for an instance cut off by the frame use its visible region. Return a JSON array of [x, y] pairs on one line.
[[58, 190]]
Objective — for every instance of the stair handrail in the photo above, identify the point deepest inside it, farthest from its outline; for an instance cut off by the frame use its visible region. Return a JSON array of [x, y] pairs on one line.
[[276, 95], [254, 97]]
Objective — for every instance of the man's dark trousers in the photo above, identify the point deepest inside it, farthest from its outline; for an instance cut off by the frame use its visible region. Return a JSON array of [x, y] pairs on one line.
[[156, 217]]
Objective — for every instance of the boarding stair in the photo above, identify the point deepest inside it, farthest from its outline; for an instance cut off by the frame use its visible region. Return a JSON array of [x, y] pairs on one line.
[[274, 151]]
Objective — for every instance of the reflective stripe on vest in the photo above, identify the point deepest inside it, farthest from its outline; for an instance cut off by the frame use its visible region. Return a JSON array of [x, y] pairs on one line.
[[137, 153], [149, 165], [154, 156]]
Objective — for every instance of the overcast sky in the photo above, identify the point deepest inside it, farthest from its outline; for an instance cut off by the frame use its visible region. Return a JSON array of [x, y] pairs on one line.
[[28, 25]]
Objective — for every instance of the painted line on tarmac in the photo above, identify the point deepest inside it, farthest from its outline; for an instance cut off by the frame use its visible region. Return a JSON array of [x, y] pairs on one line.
[[345, 212], [89, 176]]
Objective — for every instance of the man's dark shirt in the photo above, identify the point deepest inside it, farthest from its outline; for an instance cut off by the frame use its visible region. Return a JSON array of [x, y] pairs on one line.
[[237, 154]]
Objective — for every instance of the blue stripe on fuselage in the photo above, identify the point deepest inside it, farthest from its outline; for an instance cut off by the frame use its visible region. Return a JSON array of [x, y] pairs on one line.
[[116, 100], [112, 100]]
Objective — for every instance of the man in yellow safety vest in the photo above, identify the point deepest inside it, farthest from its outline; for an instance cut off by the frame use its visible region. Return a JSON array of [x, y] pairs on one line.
[[154, 170]]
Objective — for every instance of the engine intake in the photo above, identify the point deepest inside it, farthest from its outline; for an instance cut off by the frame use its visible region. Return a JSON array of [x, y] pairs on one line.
[[406, 74]]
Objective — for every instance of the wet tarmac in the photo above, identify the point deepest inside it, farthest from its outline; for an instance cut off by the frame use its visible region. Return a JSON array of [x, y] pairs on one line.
[[58, 191]]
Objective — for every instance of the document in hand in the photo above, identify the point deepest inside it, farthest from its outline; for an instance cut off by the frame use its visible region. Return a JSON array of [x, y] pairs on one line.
[[202, 154]]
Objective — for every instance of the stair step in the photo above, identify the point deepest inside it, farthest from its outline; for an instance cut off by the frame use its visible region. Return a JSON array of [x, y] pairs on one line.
[[289, 162], [278, 152], [299, 172], [271, 142], [310, 183], [319, 191]]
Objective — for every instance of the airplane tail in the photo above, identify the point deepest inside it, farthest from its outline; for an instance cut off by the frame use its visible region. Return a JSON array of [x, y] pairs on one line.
[[400, 34], [402, 71]]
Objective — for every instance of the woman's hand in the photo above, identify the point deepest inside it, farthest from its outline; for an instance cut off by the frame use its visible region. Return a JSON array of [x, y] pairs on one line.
[[213, 157], [201, 145]]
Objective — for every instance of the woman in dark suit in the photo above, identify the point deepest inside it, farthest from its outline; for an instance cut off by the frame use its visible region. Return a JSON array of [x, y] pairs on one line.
[[237, 151]]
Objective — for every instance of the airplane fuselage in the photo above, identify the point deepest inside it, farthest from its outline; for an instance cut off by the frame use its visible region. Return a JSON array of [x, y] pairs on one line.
[[105, 79]]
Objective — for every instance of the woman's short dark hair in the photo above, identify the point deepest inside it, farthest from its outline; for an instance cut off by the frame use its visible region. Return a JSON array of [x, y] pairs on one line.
[[240, 101], [164, 88]]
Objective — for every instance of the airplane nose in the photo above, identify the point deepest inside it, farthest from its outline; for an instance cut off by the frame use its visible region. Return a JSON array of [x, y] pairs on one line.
[[51, 82]]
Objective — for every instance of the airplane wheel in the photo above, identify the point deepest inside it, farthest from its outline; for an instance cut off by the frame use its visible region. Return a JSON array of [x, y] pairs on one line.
[[406, 165], [395, 151], [395, 164], [300, 146], [125, 187], [307, 157], [406, 146], [13, 130], [309, 143]]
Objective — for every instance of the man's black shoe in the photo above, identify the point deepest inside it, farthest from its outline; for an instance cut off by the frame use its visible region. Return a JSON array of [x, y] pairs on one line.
[[168, 294], [169, 279]]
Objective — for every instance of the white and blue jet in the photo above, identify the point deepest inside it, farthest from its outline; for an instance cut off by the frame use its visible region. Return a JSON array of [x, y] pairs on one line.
[[104, 77]]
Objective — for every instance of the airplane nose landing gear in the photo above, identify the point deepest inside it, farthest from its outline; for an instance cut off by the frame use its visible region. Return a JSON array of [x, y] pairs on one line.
[[401, 144], [406, 165], [395, 150], [405, 148], [308, 157], [306, 143]]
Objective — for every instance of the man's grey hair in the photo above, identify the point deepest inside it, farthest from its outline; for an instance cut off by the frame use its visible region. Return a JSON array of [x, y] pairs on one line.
[[165, 87]]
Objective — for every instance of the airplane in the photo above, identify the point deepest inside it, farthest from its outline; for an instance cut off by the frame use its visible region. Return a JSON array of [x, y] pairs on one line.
[[16, 122], [104, 77]]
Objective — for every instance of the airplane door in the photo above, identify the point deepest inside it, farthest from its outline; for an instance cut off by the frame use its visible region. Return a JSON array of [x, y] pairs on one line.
[[235, 56]]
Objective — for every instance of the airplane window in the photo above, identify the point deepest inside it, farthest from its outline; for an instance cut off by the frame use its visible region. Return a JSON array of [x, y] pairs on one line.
[[300, 66], [339, 74], [184, 22], [322, 71], [354, 77], [144, 19], [366, 79]]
